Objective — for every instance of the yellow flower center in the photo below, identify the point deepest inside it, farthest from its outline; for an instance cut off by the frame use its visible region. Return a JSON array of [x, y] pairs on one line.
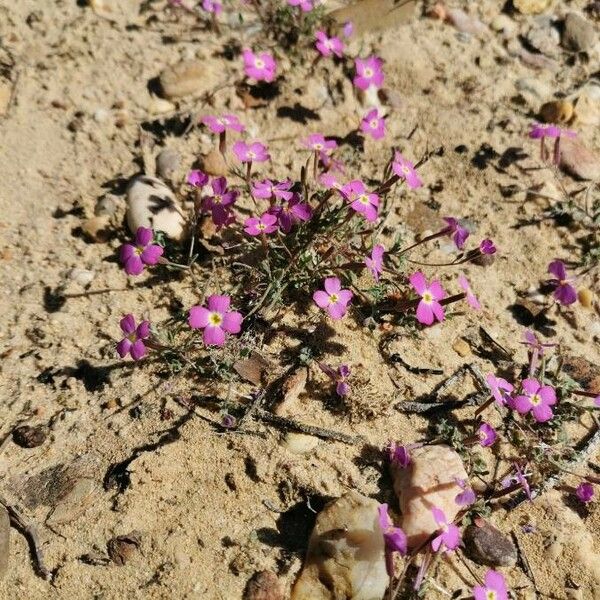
[[406, 170], [368, 72], [251, 154], [318, 146], [259, 64], [536, 399], [217, 199], [491, 595], [374, 124], [428, 297], [363, 199], [215, 319], [333, 298]]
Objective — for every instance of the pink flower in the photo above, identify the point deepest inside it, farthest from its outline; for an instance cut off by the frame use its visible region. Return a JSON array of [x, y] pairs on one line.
[[212, 6], [216, 320], [429, 307], [406, 170], [494, 588], [316, 141], [400, 455], [362, 201], [267, 189], [305, 5], [373, 125], [197, 178], [471, 298], [134, 257], [542, 130], [253, 152], [219, 204], [393, 537], [457, 232], [329, 181], [291, 212], [500, 389], [564, 292], [340, 377], [538, 399], [487, 247], [334, 299], [368, 72], [467, 496], [348, 29], [375, 261], [597, 401], [487, 435], [133, 342], [220, 124], [266, 223], [329, 45], [260, 66], [585, 492], [449, 537]]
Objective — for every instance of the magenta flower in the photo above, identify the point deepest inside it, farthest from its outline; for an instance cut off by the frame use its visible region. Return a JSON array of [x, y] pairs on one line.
[[334, 299], [348, 29], [400, 455], [291, 212], [266, 189], [466, 287], [406, 170], [449, 536], [212, 6], [329, 45], [429, 307], [220, 202], [494, 588], [393, 537], [261, 67], [362, 202], [197, 178], [585, 492], [375, 261], [216, 320], [266, 223], [500, 389], [220, 124], [305, 5], [597, 401], [253, 152], [368, 72], [329, 181], [457, 232], [543, 130], [467, 496], [538, 399], [519, 478], [144, 252], [373, 125], [564, 292], [133, 342], [340, 377], [487, 435], [487, 247], [316, 141]]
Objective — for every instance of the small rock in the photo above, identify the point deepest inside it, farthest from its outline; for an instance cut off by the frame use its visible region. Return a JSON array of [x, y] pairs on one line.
[[74, 503], [487, 545], [584, 372], [263, 585], [534, 87], [555, 550], [158, 106], [345, 557], [101, 115], [97, 229], [586, 297], [214, 164], [189, 77], [465, 22], [461, 347], [578, 160], [5, 96], [579, 34], [366, 15], [300, 443], [30, 436], [167, 162], [255, 369], [544, 37], [429, 480], [504, 24], [150, 203], [587, 109], [4, 540], [531, 7], [122, 548], [557, 111], [82, 276], [106, 206]]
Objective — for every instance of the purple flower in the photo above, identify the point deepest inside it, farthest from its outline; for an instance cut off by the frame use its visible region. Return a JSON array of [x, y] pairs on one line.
[[261, 67], [253, 152], [197, 178], [266, 189], [334, 299], [429, 307], [329, 45], [212, 6], [133, 342], [519, 478], [216, 320], [543, 130], [585, 492], [340, 377], [375, 261], [538, 399], [471, 298], [457, 232], [368, 72], [494, 588], [400, 455], [329, 181], [564, 292], [597, 401], [305, 5], [487, 247], [393, 537], [361, 201], [487, 435], [220, 124], [404, 169], [134, 257], [317, 142], [449, 536], [373, 125], [291, 212], [500, 389], [266, 223], [220, 202], [348, 29], [467, 496]]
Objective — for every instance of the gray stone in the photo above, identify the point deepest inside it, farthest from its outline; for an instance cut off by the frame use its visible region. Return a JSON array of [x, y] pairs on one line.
[[579, 34], [74, 503], [167, 162], [578, 160], [487, 545]]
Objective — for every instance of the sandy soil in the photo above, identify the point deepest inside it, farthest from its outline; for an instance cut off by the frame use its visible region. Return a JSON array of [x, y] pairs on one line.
[[195, 495]]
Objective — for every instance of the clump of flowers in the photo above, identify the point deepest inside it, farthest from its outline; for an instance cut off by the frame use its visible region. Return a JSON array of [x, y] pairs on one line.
[[134, 257]]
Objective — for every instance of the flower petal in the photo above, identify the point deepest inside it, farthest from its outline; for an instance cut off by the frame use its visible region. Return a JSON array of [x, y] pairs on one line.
[[219, 303], [232, 322], [418, 281], [332, 285], [214, 336], [198, 317]]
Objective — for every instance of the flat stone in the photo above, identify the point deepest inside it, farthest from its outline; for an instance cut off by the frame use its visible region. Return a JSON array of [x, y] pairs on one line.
[[531, 7], [578, 160], [584, 372], [345, 558], [187, 78], [579, 34], [587, 108], [167, 162], [487, 545], [97, 229], [214, 164], [263, 585], [429, 480], [74, 503], [543, 36], [373, 15], [4, 540]]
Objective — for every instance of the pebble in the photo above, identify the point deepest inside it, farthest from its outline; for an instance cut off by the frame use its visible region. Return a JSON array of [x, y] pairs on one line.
[[461, 347], [534, 87], [578, 160], [544, 37], [557, 111], [299, 443], [584, 372], [74, 503], [97, 229], [587, 108], [531, 7], [503, 23], [122, 548], [487, 545], [167, 162], [465, 22], [367, 14], [214, 164], [345, 557], [4, 540], [150, 203], [579, 34], [30, 436], [106, 206], [586, 297], [82, 276], [5, 96], [263, 585], [429, 480], [158, 106], [189, 77]]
